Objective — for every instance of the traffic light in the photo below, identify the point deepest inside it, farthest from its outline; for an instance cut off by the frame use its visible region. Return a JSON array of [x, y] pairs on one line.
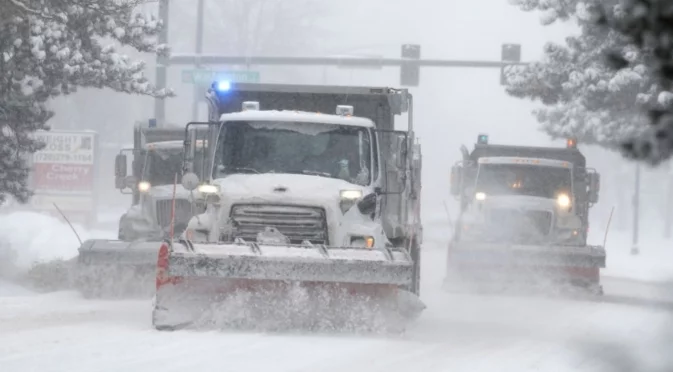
[[410, 70], [509, 53]]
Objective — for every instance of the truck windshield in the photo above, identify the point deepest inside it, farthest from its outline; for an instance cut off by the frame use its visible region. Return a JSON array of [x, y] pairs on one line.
[[519, 179], [325, 150], [161, 165]]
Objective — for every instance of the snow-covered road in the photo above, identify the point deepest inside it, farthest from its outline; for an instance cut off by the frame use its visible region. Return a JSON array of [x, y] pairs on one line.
[[626, 332]]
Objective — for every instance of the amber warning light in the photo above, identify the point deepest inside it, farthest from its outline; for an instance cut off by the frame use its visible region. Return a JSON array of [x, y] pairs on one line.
[[571, 143]]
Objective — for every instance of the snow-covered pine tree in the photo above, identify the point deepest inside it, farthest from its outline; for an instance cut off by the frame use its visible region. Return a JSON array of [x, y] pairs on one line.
[[648, 25], [583, 95], [51, 47]]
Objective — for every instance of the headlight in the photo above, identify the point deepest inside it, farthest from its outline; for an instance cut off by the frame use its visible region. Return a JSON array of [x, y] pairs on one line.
[[480, 196], [563, 200], [144, 186], [362, 241], [208, 189], [351, 194], [348, 199]]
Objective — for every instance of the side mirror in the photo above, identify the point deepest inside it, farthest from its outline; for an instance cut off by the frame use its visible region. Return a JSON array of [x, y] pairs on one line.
[[456, 179], [367, 205], [594, 187], [120, 166], [130, 182], [465, 153], [190, 181], [120, 171]]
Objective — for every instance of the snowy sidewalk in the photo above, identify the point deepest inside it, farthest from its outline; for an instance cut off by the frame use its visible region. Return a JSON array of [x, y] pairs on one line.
[[36, 237], [653, 264]]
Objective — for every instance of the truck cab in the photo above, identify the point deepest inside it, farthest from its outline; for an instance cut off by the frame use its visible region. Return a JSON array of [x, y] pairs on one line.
[[302, 173], [157, 162], [524, 195]]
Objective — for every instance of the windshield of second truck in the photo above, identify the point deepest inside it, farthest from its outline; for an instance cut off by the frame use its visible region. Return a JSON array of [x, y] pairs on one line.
[[162, 164], [526, 180], [318, 149]]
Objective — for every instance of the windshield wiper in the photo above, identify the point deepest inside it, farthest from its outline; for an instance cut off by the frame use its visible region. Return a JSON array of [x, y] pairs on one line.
[[238, 170], [317, 173]]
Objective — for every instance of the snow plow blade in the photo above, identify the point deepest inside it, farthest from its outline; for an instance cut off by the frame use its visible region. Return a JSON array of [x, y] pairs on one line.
[[283, 286], [115, 268], [474, 266]]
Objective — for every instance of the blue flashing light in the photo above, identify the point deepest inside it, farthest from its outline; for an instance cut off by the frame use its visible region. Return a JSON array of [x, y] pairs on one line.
[[482, 139], [223, 86]]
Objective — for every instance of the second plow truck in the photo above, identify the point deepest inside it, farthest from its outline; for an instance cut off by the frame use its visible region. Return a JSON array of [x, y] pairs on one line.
[[126, 266], [312, 218], [524, 220]]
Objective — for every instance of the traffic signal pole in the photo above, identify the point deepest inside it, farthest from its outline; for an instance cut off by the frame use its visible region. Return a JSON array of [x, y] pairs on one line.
[[204, 59], [409, 68]]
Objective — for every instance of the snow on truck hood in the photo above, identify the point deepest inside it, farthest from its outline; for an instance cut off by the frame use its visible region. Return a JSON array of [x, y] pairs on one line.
[[298, 116], [285, 188]]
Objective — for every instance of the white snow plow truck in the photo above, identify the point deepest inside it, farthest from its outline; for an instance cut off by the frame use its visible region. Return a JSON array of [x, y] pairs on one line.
[[126, 267], [311, 218], [524, 219]]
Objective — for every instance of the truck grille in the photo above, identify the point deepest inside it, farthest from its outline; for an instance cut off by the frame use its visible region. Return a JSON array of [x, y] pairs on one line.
[[183, 212], [520, 226], [298, 223]]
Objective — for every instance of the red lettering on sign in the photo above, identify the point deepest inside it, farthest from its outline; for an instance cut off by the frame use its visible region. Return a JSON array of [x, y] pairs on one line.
[[63, 177]]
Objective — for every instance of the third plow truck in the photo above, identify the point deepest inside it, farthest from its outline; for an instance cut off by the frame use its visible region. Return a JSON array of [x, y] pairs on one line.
[[524, 220], [312, 213]]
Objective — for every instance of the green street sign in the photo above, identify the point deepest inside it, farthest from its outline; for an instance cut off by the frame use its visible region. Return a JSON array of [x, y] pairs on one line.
[[206, 77]]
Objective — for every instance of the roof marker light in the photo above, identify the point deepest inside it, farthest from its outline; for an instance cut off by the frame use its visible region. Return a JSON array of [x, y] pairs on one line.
[[344, 110], [482, 139], [250, 106], [571, 143]]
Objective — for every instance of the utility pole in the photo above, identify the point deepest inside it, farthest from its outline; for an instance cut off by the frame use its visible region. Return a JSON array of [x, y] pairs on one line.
[[162, 65], [198, 90], [636, 209], [668, 218]]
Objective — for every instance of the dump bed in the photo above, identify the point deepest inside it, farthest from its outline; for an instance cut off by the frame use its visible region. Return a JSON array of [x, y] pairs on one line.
[[152, 135], [571, 155], [379, 104]]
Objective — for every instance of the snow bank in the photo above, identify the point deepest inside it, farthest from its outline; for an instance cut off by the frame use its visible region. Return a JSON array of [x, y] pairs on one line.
[[8, 289], [653, 264], [35, 237]]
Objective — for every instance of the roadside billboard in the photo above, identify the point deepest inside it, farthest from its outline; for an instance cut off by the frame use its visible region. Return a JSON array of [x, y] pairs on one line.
[[64, 172]]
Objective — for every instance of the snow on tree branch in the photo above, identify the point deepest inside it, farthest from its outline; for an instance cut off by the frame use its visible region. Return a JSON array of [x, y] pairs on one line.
[[648, 25], [583, 96], [51, 47]]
